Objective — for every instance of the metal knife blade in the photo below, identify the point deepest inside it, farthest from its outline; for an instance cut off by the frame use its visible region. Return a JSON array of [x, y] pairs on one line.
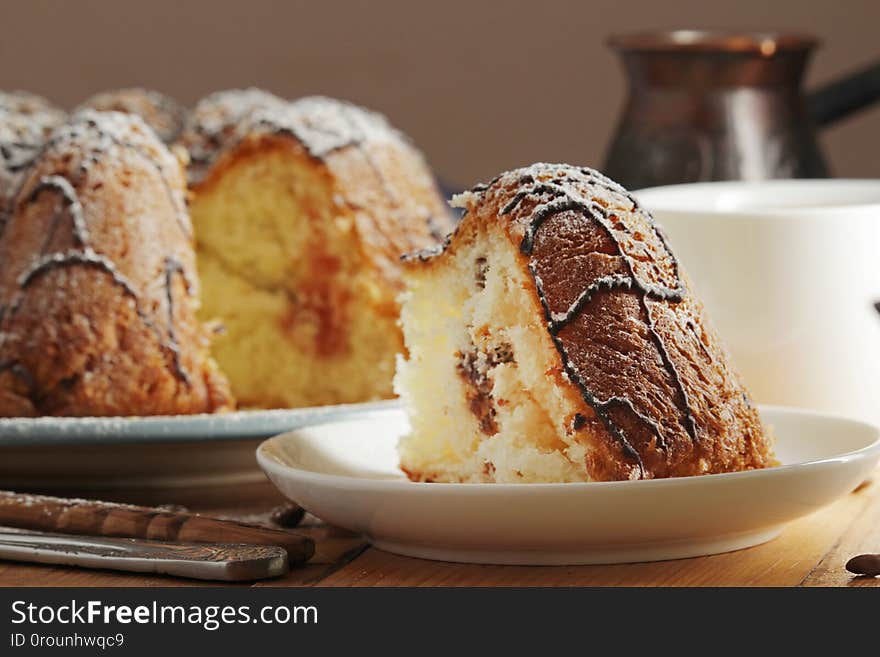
[[229, 562]]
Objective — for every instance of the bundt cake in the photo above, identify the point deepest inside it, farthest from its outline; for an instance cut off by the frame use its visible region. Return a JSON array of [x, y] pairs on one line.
[[98, 288], [554, 338], [300, 222], [25, 122], [162, 113]]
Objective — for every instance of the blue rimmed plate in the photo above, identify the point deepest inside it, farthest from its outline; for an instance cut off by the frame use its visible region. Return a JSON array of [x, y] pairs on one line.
[[187, 450]]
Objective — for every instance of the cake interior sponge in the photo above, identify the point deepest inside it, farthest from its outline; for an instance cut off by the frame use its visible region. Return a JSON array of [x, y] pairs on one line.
[[480, 376]]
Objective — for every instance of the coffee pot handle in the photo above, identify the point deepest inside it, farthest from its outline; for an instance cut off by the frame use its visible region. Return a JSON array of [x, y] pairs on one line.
[[845, 96]]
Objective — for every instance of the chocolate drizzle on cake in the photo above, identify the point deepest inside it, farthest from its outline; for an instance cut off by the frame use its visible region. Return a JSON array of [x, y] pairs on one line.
[[71, 201], [92, 122], [93, 135], [172, 267], [322, 126], [89, 258], [100, 132], [436, 228], [606, 283], [552, 190], [215, 122], [162, 113], [18, 155], [26, 121], [325, 125], [86, 258], [699, 340]]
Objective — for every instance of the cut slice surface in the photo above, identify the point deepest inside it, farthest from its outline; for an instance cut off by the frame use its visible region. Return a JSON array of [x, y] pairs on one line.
[[300, 223], [482, 375], [282, 271]]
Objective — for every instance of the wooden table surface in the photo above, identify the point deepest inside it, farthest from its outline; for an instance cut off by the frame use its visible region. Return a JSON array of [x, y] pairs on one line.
[[809, 552]]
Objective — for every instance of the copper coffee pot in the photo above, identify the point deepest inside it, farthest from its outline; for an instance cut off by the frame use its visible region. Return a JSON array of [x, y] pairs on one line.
[[709, 105]]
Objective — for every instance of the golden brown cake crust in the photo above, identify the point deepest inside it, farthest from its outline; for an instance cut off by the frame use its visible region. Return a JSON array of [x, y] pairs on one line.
[[25, 123], [98, 289], [374, 169], [657, 385], [162, 113], [214, 125]]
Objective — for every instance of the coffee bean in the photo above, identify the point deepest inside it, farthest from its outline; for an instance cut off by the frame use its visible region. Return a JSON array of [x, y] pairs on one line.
[[287, 515], [864, 564]]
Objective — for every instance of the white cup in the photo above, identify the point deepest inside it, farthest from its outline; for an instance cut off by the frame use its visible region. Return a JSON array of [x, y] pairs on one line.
[[789, 272]]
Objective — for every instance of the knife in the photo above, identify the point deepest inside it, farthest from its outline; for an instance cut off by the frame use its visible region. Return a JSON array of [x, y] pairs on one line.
[[108, 519], [228, 562]]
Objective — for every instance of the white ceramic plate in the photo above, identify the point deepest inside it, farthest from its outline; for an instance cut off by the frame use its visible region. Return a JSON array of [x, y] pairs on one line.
[[347, 474], [188, 450]]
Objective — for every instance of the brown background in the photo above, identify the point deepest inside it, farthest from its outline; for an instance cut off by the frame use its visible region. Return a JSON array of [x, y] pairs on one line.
[[480, 85]]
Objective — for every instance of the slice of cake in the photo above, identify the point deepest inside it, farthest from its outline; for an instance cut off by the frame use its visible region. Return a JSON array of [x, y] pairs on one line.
[[554, 338], [300, 220], [98, 288]]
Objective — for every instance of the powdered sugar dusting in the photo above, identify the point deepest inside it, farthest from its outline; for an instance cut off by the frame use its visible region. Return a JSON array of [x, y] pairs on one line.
[[322, 125]]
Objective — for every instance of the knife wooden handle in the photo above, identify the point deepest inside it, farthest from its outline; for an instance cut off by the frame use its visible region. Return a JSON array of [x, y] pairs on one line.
[[93, 518]]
